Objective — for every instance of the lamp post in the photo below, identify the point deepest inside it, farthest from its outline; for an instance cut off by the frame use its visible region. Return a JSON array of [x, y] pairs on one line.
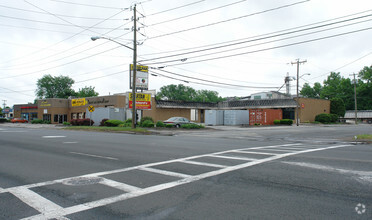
[[134, 114]]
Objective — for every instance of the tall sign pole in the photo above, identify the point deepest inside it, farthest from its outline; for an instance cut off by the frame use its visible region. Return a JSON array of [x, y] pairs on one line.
[[298, 62], [134, 113]]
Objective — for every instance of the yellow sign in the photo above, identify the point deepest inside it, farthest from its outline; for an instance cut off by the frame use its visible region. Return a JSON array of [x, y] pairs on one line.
[[45, 104], [140, 97], [140, 68], [78, 102], [91, 108]]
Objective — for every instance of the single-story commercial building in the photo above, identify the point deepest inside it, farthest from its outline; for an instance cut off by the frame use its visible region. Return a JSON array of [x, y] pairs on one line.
[[117, 106]]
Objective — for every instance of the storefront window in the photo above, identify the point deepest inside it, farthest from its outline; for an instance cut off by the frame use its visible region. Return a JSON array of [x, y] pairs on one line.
[[47, 117]]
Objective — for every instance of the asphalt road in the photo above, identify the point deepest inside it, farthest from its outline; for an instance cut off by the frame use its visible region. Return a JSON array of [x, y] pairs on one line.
[[306, 172]]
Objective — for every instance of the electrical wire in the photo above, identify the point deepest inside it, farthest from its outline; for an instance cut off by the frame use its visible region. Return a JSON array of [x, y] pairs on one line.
[[171, 9], [88, 5], [197, 13], [276, 32], [263, 38], [215, 82], [231, 19], [271, 48], [61, 15]]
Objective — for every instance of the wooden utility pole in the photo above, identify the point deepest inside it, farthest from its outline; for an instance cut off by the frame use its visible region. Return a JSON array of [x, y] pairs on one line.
[[298, 62], [134, 111], [355, 100]]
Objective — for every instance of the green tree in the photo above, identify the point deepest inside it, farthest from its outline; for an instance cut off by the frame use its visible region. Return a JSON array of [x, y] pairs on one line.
[[54, 87], [338, 107], [207, 96], [86, 92], [176, 92], [364, 89]]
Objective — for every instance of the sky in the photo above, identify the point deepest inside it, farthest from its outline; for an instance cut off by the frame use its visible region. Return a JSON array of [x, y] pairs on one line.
[[234, 47]]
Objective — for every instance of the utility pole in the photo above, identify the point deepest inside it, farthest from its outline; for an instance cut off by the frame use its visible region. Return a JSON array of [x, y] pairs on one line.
[[298, 62], [134, 111], [4, 104], [355, 100]]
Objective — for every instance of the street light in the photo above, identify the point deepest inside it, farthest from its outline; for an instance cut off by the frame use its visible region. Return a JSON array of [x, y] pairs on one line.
[[134, 114]]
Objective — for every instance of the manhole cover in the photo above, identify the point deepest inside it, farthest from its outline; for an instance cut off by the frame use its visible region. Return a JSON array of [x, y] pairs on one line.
[[82, 181]]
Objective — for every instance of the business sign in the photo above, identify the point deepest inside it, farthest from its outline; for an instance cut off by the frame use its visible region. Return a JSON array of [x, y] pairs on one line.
[[78, 102], [143, 101], [45, 103], [142, 77]]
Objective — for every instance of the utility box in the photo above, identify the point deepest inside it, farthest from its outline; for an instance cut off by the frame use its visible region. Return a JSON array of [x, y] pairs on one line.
[[264, 116], [214, 117], [236, 117]]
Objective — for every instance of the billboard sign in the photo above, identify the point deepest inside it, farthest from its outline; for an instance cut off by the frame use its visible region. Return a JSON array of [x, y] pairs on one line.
[[78, 102], [143, 101], [142, 76]]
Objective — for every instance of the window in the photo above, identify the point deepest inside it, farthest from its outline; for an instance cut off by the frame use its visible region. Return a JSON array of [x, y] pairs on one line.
[[47, 117], [194, 115]]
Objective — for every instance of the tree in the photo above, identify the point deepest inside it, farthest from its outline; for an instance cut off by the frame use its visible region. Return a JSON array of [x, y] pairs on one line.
[[338, 107], [311, 92], [54, 87], [364, 89], [176, 92], [185, 93], [86, 92]]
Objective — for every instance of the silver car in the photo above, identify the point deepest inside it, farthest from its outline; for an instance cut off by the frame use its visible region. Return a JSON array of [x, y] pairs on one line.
[[178, 121]]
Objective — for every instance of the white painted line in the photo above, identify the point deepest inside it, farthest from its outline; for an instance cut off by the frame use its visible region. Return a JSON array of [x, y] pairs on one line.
[[36, 201], [152, 189], [232, 158], [254, 152], [53, 136], [165, 172], [92, 155], [119, 185], [273, 149], [71, 142], [203, 164]]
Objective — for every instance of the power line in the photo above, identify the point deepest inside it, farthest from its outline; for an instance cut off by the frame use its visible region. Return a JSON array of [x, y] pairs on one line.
[[61, 15], [262, 38], [171, 9], [276, 32], [215, 82], [88, 5], [271, 48], [228, 20], [197, 13]]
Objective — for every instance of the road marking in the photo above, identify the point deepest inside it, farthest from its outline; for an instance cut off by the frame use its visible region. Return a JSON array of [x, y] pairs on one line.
[[36, 201], [203, 164], [55, 212], [165, 172], [232, 158], [119, 185], [53, 136], [92, 155], [253, 152], [362, 175], [71, 142]]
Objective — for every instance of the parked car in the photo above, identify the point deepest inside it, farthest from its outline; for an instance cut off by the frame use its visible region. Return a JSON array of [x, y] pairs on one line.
[[19, 120], [178, 121]]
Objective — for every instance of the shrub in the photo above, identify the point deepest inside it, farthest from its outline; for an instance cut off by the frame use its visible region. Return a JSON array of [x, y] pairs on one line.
[[37, 121], [47, 122], [125, 125], [147, 118], [113, 123], [82, 122], [169, 126], [2, 120], [147, 124], [102, 123], [276, 122], [326, 118], [286, 121], [191, 126], [128, 121], [160, 124], [66, 123]]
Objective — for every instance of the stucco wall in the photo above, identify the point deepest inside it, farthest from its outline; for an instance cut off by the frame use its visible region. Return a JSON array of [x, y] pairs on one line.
[[309, 108]]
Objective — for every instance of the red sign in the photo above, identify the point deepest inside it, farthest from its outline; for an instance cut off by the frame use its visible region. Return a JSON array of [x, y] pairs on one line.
[[141, 104], [302, 105]]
